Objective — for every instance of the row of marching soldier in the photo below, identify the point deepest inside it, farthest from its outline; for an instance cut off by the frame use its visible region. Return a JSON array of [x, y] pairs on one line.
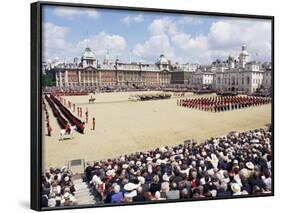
[[223, 103]]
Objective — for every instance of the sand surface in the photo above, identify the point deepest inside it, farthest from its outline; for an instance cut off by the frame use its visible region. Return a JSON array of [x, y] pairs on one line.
[[124, 127]]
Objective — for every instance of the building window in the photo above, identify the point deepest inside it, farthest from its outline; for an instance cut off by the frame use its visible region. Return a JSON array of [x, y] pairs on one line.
[[233, 81]]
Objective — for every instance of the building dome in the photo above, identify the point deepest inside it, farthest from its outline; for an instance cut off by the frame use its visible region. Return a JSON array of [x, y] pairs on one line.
[[231, 58], [162, 60], [243, 57], [107, 56], [244, 50], [88, 54]]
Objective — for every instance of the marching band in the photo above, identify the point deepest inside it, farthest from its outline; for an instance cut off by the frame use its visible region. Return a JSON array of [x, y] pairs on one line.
[[223, 103]]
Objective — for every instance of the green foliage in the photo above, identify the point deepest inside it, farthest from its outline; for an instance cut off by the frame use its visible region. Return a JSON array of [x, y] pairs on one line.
[[46, 81]]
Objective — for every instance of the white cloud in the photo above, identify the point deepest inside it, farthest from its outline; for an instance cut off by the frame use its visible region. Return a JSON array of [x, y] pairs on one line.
[[195, 47], [225, 37], [225, 34], [188, 42], [168, 36], [92, 13], [55, 45], [70, 13], [153, 47], [132, 19], [172, 26], [101, 42], [177, 45], [162, 25], [54, 42], [229, 35]]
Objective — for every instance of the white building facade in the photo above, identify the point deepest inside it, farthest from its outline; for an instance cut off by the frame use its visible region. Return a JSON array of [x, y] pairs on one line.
[[201, 79], [236, 75], [241, 76]]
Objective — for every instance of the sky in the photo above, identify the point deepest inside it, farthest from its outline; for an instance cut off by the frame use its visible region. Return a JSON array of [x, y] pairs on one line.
[[143, 36]]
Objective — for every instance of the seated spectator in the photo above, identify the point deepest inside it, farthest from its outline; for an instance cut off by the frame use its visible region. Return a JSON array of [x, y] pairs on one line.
[[57, 188], [117, 197], [220, 167]]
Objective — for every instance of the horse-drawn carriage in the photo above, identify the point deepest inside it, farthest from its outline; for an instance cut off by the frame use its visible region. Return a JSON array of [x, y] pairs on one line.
[[133, 98], [179, 94], [145, 97]]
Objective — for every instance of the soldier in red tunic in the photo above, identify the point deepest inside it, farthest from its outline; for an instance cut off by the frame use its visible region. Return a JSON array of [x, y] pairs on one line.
[[67, 128], [86, 115], [94, 123], [49, 128]]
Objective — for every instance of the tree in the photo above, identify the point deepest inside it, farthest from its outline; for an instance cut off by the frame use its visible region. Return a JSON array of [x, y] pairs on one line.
[[47, 81]]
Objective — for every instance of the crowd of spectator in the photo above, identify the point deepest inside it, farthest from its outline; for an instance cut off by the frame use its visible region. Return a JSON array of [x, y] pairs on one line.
[[233, 165], [58, 188], [119, 88]]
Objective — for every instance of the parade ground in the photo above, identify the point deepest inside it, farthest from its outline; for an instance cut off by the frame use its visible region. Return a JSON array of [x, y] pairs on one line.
[[124, 127]]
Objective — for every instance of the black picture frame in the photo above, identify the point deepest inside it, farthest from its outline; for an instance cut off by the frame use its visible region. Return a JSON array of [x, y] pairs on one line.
[[36, 96]]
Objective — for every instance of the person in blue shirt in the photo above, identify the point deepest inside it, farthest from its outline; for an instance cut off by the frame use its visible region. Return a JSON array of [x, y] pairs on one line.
[[117, 197]]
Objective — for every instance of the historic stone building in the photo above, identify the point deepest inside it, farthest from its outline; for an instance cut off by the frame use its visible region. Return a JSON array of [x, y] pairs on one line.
[[182, 73], [234, 75], [90, 73], [180, 77], [201, 79], [267, 77], [241, 75]]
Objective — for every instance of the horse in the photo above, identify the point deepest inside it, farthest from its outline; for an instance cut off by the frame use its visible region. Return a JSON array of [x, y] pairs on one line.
[[182, 94], [133, 98], [91, 100], [63, 133]]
